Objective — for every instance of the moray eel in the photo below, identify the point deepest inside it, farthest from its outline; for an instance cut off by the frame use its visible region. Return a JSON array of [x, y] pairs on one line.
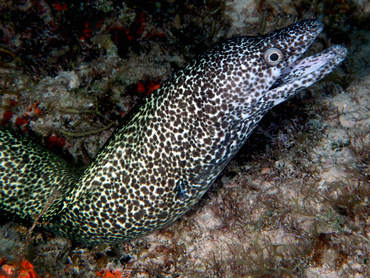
[[158, 165]]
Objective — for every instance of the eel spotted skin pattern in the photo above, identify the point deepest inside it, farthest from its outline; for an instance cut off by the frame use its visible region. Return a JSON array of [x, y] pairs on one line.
[[158, 165]]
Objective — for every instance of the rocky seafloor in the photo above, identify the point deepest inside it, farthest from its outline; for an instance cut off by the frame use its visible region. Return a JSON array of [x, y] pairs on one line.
[[293, 203]]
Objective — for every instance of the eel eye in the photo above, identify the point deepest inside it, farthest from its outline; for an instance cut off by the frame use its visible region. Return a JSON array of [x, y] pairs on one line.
[[273, 56]]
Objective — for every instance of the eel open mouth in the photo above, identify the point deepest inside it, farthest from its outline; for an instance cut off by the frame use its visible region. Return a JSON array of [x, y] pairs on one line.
[[311, 69]]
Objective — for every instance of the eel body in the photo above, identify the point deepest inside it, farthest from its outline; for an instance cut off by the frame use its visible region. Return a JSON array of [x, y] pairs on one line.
[[158, 165]]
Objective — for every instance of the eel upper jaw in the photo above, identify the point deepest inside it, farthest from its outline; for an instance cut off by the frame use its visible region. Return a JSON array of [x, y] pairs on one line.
[[305, 72]]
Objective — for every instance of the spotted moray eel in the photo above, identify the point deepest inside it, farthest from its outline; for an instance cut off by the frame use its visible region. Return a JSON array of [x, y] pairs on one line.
[[158, 165]]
